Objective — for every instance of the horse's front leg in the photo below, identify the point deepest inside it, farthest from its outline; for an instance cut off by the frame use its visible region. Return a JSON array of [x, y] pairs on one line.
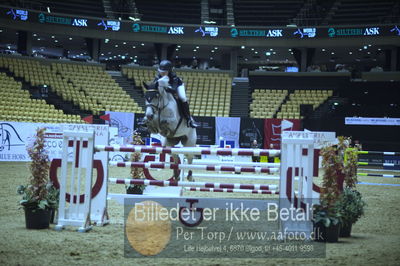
[[164, 128]]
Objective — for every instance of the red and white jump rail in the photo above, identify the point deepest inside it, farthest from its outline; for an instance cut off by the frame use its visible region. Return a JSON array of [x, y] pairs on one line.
[[190, 150], [232, 176], [214, 162], [172, 183], [235, 176], [237, 169], [227, 190]]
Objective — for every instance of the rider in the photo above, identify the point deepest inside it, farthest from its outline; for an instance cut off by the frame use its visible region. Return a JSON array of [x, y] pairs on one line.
[[167, 78]]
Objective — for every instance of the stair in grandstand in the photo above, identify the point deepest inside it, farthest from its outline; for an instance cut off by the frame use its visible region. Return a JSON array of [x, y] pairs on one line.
[[67, 106], [328, 107], [283, 102], [50, 97], [25, 85], [129, 86], [240, 97], [7, 71], [323, 109]]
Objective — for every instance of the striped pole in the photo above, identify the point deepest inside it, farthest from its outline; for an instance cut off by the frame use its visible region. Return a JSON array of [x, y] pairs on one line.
[[378, 164], [214, 162], [377, 170], [173, 183], [378, 184], [226, 190], [379, 152], [190, 150], [237, 169], [378, 175], [234, 176]]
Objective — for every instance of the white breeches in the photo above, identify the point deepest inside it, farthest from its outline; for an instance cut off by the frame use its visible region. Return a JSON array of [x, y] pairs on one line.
[[181, 93]]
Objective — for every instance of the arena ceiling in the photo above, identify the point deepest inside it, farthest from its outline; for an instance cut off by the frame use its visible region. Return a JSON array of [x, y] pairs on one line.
[[54, 45]]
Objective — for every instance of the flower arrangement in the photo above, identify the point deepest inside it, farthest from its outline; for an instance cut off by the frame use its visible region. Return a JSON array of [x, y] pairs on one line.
[[136, 173], [350, 166], [339, 205], [39, 193], [350, 204], [326, 213]]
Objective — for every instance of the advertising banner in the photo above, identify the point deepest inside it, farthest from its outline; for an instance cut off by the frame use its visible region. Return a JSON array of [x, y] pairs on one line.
[[251, 129], [124, 122], [206, 130], [16, 137], [273, 129], [372, 121], [228, 130]]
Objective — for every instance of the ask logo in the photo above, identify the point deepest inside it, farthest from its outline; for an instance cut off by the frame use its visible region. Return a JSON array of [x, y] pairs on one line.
[[176, 30], [79, 22], [371, 31], [273, 33]]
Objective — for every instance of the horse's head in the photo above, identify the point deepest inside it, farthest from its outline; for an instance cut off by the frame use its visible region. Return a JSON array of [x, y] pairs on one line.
[[161, 113], [152, 98]]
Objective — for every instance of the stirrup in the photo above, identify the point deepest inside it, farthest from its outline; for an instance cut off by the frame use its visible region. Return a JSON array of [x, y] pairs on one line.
[[191, 123]]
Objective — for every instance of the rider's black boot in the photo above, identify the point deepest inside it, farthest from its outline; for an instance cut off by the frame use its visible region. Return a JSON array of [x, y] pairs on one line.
[[186, 113]]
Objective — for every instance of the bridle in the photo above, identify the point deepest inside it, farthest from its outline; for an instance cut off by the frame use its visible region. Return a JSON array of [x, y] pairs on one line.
[[160, 106]]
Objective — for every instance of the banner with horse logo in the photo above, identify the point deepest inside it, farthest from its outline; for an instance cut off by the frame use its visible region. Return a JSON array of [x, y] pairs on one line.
[[16, 137], [124, 122]]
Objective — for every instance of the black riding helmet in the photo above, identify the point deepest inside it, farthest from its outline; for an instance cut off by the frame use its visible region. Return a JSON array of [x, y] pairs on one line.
[[165, 65]]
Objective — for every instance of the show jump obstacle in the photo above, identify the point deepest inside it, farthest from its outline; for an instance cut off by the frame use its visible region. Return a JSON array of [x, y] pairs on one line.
[[85, 151], [388, 161]]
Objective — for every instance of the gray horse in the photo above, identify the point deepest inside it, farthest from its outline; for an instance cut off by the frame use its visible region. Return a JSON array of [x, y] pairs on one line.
[[163, 116]]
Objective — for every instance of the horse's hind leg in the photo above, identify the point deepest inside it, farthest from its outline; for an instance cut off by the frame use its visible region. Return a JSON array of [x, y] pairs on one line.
[[190, 174], [176, 171]]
